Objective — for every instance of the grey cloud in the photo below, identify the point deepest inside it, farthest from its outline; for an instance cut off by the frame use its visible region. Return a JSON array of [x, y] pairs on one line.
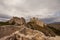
[[51, 20], [5, 16]]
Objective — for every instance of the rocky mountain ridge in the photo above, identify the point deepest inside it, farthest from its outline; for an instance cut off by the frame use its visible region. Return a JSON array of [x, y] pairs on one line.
[[31, 28]]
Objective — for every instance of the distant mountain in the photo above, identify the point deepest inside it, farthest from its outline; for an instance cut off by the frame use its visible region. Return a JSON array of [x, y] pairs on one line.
[[55, 23]]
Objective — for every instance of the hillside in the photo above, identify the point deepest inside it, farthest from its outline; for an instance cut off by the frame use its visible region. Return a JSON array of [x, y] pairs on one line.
[[55, 27]]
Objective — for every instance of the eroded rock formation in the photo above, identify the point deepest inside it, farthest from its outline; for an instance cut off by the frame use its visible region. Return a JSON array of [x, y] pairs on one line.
[[17, 21], [37, 22]]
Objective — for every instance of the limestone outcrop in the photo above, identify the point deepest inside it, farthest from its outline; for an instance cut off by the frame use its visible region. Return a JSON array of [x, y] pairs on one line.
[[37, 22]]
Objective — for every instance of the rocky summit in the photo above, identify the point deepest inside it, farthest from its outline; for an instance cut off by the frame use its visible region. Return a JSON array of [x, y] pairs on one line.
[[17, 21], [18, 29], [37, 22]]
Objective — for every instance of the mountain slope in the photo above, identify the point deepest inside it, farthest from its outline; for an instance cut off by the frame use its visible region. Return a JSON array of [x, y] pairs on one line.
[[55, 27]]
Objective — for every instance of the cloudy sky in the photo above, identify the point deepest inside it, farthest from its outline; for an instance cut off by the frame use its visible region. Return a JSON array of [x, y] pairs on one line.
[[48, 10]]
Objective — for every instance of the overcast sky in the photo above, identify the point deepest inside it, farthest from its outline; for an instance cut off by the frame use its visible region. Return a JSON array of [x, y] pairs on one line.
[[45, 9]]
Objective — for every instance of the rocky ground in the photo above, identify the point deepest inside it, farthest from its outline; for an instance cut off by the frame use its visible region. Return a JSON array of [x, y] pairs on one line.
[[19, 29]]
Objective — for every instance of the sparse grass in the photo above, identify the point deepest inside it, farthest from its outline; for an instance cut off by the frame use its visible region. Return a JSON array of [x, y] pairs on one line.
[[5, 23]]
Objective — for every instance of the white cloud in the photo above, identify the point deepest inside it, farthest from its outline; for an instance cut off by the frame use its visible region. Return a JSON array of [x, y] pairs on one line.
[[44, 8]]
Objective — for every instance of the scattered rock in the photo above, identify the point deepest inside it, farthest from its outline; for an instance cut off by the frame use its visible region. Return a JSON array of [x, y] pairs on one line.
[[27, 34]]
